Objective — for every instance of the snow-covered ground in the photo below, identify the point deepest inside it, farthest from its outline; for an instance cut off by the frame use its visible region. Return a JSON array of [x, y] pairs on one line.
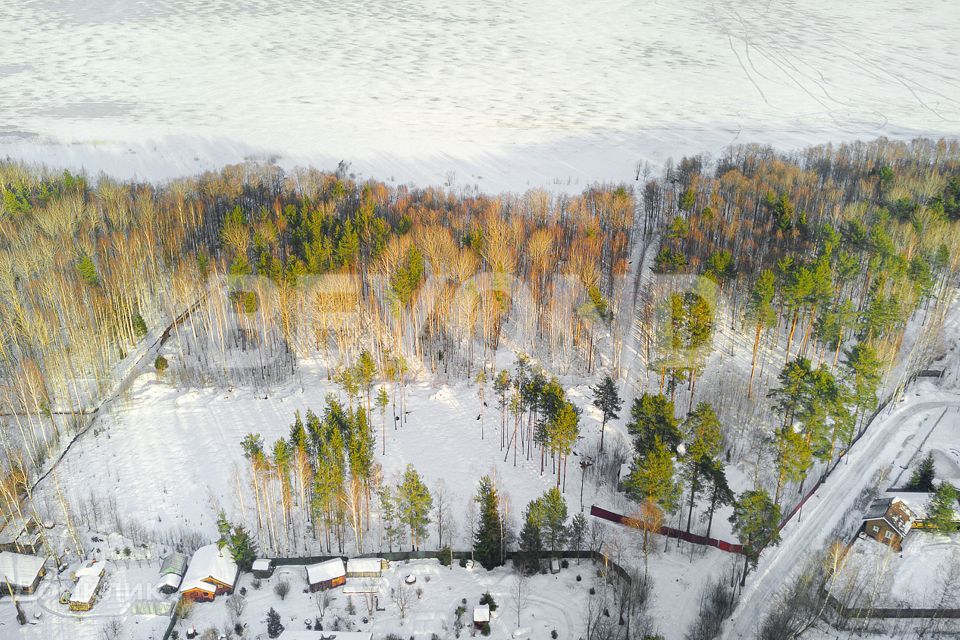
[[923, 575], [503, 95]]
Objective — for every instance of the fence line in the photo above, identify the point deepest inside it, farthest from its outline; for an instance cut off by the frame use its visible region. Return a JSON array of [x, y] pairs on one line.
[[670, 532]]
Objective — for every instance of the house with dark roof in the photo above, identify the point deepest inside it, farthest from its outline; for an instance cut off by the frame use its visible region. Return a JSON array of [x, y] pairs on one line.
[[888, 520]]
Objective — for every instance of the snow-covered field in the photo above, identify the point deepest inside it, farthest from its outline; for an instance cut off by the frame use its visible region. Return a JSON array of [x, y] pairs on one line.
[[503, 95]]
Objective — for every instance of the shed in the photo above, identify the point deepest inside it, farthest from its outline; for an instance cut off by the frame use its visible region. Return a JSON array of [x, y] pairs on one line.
[[175, 563], [554, 565], [326, 575], [85, 592], [481, 615], [212, 572], [20, 573], [365, 567], [169, 583], [262, 568]]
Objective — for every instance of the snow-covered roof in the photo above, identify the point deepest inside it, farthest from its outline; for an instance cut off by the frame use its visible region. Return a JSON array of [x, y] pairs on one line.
[[209, 562], [174, 563], [14, 528], [481, 613], [85, 589], [916, 502], [891, 510], [171, 580], [262, 564], [19, 570], [363, 565], [324, 571], [93, 568]]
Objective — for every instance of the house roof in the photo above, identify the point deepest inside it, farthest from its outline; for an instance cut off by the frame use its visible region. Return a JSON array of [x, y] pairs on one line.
[[85, 589], [324, 571], [19, 570], [915, 501], [364, 565], [481, 613], [93, 568], [262, 564], [209, 563], [14, 528], [169, 580], [176, 563], [887, 509]]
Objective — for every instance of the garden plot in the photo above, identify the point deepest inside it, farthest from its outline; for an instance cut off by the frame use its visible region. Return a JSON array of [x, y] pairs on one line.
[[426, 606]]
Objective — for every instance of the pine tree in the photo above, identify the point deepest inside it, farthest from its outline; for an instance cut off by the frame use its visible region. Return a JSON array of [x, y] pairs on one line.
[[531, 533], [704, 439], [414, 505], [392, 528], [653, 476], [923, 475], [488, 537], [578, 532], [242, 548], [606, 398], [554, 510], [942, 509], [365, 369], [652, 418], [720, 492], [755, 520], [274, 628]]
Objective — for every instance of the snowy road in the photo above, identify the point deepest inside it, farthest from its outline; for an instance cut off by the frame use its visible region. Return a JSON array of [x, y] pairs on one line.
[[880, 446]]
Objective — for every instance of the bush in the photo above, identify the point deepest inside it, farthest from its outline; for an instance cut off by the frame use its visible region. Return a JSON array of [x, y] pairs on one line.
[[593, 591], [578, 577], [564, 564], [485, 629], [282, 588], [488, 600], [274, 628], [444, 557], [256, 583], [139, 326], [160, 364], [553, 634]]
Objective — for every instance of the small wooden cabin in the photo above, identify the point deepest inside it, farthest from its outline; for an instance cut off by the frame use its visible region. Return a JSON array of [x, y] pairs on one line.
[[262, 568], [888, 520], [326, 575], [20, 573], [85, 592], [212, 572]]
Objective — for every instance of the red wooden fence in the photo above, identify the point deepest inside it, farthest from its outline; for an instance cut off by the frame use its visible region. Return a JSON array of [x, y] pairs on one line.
[[670, 532]]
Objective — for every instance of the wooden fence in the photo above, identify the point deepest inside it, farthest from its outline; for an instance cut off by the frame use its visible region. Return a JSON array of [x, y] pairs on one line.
[[670, 532]]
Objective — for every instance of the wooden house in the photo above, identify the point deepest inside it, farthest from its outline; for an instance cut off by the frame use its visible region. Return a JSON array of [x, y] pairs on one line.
[[20, 573], [85, 592], [365, 567], [20, 535], [326, 575], [212, 572], [262, 568], [888, 520]]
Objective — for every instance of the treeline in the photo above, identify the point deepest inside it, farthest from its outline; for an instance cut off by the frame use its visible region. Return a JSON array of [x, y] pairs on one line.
[[275, 267]]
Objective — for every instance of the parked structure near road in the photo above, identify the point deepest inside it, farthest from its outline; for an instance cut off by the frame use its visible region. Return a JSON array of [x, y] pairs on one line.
[[212, 572], [20, 573], [326, 575], [888, 520]]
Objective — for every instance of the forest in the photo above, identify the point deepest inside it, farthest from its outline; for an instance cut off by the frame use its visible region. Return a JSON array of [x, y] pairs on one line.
[[830, 269]]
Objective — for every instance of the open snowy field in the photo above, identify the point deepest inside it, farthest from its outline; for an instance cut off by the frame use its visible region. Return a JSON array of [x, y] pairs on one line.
[[502, 95]]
